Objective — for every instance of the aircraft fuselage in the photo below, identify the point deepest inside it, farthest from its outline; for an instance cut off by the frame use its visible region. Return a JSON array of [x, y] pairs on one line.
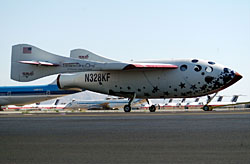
[[193, 78]]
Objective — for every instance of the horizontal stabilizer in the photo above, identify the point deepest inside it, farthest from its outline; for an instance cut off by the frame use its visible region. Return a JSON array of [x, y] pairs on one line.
[[42, 63]]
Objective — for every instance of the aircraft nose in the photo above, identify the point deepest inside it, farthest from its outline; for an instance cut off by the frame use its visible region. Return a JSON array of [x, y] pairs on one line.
[[236, 78]]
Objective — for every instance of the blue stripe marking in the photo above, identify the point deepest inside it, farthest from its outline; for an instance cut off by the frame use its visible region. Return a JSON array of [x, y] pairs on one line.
[[33, 90]]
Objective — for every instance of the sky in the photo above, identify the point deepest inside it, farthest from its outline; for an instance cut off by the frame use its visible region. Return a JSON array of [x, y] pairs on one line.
[[217, 30]]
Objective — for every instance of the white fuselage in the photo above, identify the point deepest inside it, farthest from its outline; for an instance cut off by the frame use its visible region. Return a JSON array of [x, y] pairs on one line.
[[22, 100], [192, 78], [22, 95]]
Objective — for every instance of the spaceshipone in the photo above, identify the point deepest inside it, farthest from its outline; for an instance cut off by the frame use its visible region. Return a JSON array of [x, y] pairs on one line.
[[175, 78]]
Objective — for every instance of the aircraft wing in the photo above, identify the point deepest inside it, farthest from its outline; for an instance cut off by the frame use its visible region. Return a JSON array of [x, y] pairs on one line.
[[99, 106], [127, 67], [136, 66], [225, 105]]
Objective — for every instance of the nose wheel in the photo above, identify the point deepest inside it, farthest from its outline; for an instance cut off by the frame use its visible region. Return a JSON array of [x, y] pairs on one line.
[[209, 99]]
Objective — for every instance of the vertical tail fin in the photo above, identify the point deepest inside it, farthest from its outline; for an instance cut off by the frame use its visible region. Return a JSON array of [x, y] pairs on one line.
[[56, 102], [219, 98], [235, 98], [85, 54], [29, 63]]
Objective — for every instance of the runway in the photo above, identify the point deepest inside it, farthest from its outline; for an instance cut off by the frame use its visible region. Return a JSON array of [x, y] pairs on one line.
[[161, 137]]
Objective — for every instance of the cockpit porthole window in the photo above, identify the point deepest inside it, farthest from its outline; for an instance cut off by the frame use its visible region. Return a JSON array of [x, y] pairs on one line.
[[210, 62], [197, 68], [183, 67], [209, 69], [227, 70], [195, 61]]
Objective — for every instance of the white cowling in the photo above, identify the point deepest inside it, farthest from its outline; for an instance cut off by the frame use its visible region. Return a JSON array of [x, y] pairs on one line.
[[66, 81]]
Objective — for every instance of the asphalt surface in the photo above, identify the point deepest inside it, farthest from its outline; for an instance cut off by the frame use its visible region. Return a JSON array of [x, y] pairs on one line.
[[186, 137]]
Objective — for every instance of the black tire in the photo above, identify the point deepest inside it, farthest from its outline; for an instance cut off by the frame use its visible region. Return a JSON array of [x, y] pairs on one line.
[[152, 108], [127, 108], [207, 108]]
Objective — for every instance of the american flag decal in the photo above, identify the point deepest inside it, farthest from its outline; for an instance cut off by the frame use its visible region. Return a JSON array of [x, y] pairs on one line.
[[27, 50]]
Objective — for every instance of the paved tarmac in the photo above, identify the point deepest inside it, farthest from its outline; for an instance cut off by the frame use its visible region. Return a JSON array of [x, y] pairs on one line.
[[185, 137]]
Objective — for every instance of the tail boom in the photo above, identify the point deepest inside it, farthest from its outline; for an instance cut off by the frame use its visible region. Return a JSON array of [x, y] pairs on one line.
[[30, 63]]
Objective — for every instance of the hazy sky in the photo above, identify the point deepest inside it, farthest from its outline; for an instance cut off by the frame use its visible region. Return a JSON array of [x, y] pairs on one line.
[[217, 30]]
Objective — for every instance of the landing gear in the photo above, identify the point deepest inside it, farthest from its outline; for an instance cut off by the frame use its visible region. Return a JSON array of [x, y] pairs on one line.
[[152, 108], [209, 99], [127, 108], [207, 108]]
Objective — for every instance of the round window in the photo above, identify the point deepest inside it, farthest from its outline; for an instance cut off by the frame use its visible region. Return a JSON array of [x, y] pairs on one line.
[[209, 69], [227, 70], [183, 67], [195, 61], [197, 68], [210, 62]]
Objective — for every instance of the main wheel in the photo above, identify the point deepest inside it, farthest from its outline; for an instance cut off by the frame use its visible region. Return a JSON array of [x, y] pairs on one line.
[[207, 108], [127, 108], [152, 108]]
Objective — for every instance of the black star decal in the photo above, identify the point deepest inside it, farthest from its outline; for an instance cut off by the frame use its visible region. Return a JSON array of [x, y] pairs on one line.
[[175, 90], [166, 93], [217, 84], [155, 89], [203, 87], [193, 87], [182, 85], [183, 94]]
